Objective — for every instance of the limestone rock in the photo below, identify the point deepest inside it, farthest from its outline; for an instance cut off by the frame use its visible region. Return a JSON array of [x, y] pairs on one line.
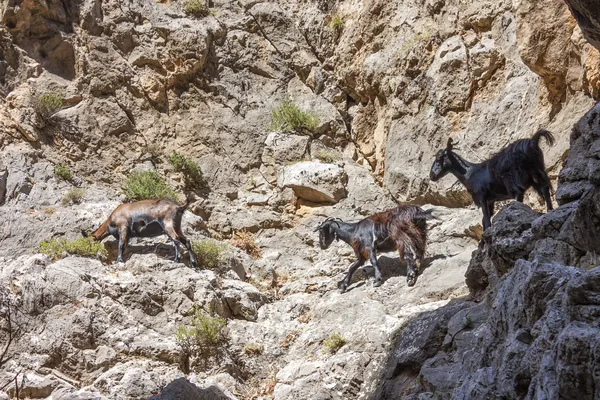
[[315, 181], [586, 14], [182, 389]]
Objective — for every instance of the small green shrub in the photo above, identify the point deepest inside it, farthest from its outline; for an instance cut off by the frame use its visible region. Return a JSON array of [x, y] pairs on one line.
[[72, 196], [192, 174], [62, 171], [289, 118], [467, 323], [205, 334], [334, 342], [145, 185], [87, 247], [48, 103], [195, 8], [327, 156], [252, 348], [336, 23], [210, 253]]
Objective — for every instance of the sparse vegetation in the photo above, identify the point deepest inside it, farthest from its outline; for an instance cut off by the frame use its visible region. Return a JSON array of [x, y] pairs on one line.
[[336, 23], [289, 118], [467, 323], [415, 40], [327, 156], [86, 247], [210, 253], [197, 8], [48, 103], [245, 240], [63, 171], [144, 185], [72, 196], [334, 342], [49, 211], [192, 174], [206, 333], [253, 349]]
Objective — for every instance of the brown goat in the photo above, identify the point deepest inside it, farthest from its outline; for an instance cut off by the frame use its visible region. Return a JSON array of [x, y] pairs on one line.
[[402, 229], [146, 218]]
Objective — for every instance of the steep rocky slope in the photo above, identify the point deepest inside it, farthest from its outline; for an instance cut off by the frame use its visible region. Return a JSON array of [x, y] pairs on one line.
[[389, 82], [108, 331], [535, 331]]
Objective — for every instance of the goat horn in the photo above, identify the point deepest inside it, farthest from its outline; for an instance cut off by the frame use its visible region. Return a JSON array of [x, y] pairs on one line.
[[323, 223]]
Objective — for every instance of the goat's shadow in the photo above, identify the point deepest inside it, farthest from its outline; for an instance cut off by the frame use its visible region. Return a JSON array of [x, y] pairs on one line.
[[144, 246], [389, 267]]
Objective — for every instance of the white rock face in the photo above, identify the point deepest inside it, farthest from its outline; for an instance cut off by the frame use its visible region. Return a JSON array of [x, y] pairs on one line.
[[315, 181]]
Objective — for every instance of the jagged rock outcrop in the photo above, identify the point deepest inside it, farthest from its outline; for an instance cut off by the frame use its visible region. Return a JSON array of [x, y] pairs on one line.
[[535, 332], [587, 15]]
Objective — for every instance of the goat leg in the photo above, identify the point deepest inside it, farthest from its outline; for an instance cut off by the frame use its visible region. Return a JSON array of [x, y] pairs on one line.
[[486, 215], [172, 234], [122, 245], [343, 284], [545, 191], [409, 259], [373, 259], [188, 245]]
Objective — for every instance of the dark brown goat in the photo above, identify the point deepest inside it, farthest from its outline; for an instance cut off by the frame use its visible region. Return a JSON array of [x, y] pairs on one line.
[[146, 218], [403, 229]]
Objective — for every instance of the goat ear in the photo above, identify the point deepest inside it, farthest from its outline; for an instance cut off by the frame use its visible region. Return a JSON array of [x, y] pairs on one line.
[[449, 144]]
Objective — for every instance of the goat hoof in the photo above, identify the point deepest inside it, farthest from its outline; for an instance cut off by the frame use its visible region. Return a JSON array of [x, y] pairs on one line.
[[411, 281], [377, 283], [342, 286]]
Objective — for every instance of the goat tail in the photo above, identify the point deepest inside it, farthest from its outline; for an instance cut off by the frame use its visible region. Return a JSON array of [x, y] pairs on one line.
[[545, 134]]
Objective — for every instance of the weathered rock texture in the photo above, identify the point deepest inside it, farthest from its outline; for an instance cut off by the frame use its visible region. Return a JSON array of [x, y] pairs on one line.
[[535, 334], [389, 82]]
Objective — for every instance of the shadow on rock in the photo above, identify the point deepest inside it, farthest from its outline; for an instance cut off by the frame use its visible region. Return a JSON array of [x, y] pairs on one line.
[[393, 266]]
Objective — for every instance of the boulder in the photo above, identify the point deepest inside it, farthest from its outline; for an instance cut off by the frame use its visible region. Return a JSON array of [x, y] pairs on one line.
[[182, 389], [314, 181]]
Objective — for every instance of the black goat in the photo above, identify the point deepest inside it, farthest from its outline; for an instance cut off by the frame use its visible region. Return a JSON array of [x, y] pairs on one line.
[[506, 175], [402, 228]]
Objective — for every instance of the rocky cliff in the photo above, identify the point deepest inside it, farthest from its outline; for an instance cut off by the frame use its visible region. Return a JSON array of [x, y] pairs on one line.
[[387, 83]]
